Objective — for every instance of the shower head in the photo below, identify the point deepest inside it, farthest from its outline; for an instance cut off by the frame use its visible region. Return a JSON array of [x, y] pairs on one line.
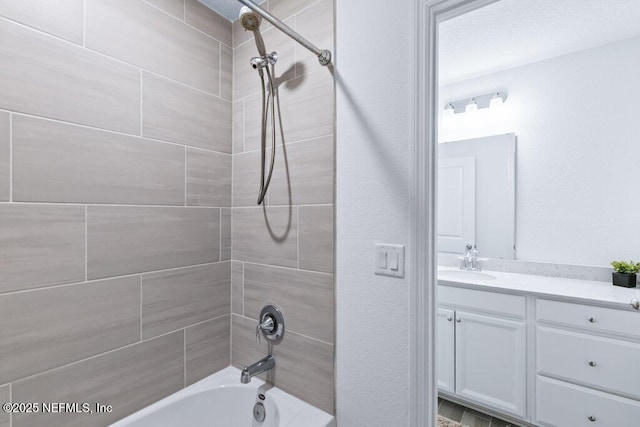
[[251, 22], [249, 19]]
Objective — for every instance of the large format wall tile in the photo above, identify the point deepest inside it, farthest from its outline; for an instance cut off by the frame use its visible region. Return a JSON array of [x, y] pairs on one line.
[[58, 162], [304, 366], [125, 240], [47, 328], [179, 298], [208, 21], [140, 34], [62, 18], [303, 173], [51, 78], [226, 69], [207, 348], [265, 236], [174, 112], [246, 178], [41, 245], [172, 7], [238, 127], [225, 234], [305, 297], [129, 379], [315, 231], [208, 178], [5, 177], [237, 287], [307, 106]]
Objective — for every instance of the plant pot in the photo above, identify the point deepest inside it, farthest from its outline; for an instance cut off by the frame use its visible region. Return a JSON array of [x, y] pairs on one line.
[[625, 280]]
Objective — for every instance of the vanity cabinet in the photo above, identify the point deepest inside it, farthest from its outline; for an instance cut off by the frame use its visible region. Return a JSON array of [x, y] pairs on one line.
[[446, 350], [587, 357], [483, 347]]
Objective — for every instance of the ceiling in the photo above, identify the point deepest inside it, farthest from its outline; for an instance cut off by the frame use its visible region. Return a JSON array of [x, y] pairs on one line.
[[227, 8], [511, 33]]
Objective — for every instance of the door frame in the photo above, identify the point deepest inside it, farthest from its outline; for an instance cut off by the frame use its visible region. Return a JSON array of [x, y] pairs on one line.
[[422, 257]]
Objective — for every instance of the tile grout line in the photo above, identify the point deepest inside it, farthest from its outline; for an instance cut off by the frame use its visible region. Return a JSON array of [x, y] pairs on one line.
[[118, 205], [11, 171], [86, 243], [113, 350], [140, 131], [242, 288], [294, 332], [298, 235], [113, 58], [122, 276], [140, 290], [100, 129]]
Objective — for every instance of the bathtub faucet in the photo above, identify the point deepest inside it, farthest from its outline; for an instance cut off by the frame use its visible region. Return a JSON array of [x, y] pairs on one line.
[[257, 368]]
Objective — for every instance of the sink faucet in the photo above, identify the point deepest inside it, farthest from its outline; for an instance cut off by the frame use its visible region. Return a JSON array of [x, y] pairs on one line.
[[257, 368], [470, 260]]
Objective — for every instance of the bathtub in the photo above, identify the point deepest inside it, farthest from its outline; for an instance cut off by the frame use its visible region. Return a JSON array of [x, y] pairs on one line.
[[221, 400]]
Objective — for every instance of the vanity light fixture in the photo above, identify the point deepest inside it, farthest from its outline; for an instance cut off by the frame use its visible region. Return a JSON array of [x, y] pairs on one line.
[[471, 106], [493, 99], [496, 101]]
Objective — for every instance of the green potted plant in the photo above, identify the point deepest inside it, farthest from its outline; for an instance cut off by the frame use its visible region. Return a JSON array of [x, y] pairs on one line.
[[624, 273]]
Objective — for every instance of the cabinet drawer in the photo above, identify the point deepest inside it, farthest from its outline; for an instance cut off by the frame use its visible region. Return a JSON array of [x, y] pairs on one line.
[[591, 318], [561, 404], [608, 364], [492, 302]]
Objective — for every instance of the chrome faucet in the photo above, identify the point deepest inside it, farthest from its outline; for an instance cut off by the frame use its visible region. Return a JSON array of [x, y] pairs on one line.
[[470, 260], [262, 365]]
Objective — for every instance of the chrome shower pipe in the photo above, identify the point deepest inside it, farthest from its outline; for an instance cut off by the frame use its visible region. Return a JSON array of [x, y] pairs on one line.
[[324, 56]]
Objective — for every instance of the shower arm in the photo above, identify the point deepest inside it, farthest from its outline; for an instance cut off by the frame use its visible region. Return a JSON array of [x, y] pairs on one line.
[[324, 56]]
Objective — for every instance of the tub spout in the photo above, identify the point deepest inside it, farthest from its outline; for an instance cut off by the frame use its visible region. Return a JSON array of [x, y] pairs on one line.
[[257, 368]]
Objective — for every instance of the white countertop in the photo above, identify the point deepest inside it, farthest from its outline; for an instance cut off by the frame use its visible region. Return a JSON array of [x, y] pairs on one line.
[[582, 291]]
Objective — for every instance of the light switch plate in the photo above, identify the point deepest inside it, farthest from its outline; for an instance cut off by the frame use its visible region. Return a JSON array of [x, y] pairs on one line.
[[389, 260]]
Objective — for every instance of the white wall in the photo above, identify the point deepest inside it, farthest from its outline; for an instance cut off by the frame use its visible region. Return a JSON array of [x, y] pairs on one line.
[[576, 121], [373, 80]]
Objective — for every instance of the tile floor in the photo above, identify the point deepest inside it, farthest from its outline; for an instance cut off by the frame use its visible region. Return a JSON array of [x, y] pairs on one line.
[[468, 417]]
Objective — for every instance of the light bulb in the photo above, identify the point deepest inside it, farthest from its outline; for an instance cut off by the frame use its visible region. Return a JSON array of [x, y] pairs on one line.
[[496, 101], [449, 111], [471, 106]]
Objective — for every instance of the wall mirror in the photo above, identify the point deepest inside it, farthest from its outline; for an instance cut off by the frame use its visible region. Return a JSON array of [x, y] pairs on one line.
[[561, 80]]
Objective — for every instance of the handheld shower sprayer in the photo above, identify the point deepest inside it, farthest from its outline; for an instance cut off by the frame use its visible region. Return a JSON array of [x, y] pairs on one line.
[[251, 22]]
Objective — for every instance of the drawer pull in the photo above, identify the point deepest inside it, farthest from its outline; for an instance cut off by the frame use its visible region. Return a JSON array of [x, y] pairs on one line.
[[592, 418], [458, 320], [635, 304], [449, 318], [592, 319], [592, 363]]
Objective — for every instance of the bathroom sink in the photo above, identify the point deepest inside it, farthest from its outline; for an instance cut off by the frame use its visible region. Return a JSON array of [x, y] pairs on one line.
[[463, 275]]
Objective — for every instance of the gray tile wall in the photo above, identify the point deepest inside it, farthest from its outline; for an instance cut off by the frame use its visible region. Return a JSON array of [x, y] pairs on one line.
[[283, 254], [115, 202]]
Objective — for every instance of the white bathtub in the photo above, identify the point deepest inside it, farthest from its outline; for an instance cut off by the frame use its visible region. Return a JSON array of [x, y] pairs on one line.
[[222, 401]]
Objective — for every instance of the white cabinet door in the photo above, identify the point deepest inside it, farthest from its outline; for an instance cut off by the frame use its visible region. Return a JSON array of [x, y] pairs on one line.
[[446, 350], [491, 362]]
